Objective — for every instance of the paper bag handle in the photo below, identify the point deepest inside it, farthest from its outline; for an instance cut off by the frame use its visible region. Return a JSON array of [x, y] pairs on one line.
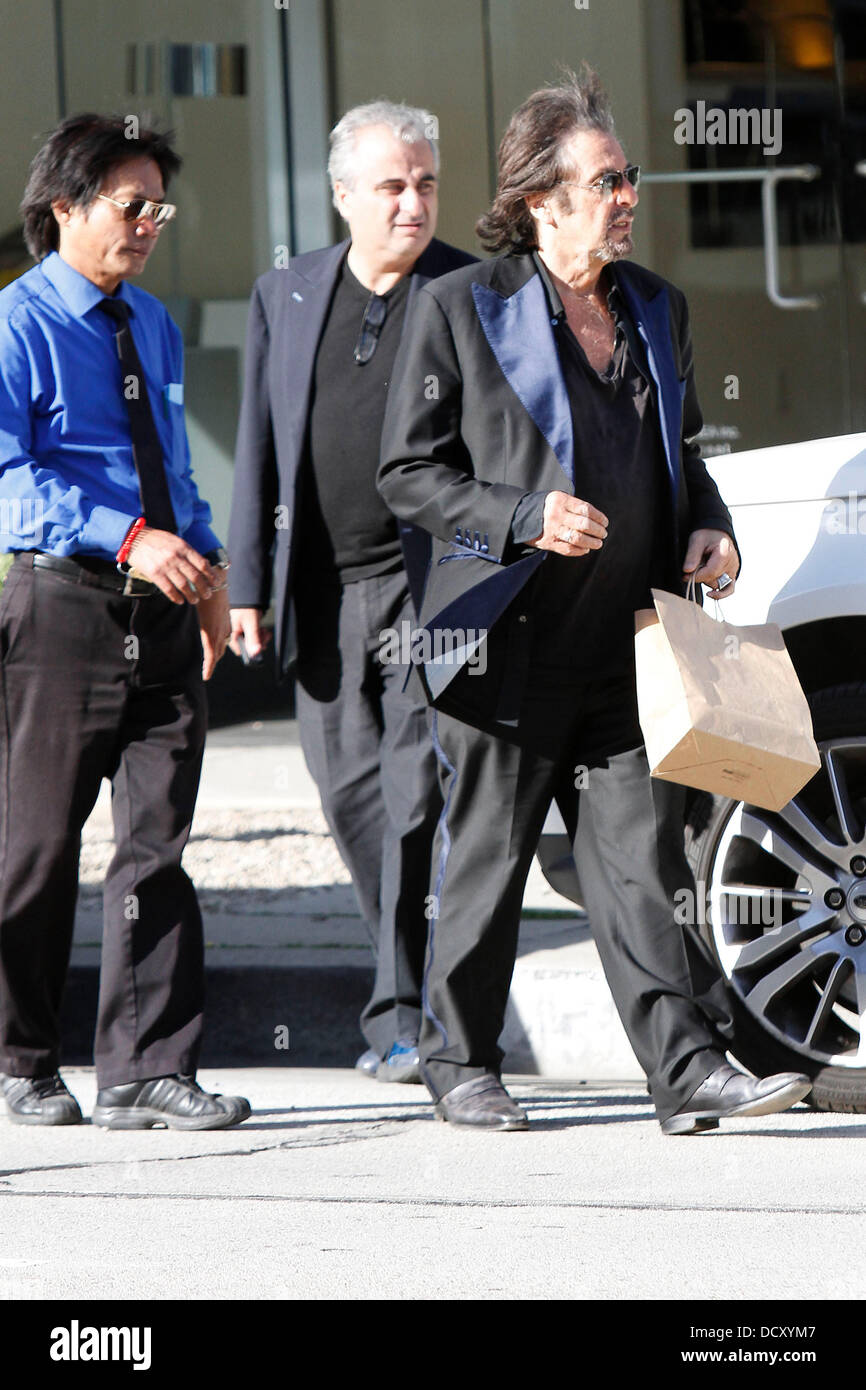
[[691, 594]]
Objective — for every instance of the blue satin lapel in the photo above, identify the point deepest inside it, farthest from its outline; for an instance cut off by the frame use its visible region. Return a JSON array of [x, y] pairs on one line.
[[519, 332], [652, 321], [479, 609]]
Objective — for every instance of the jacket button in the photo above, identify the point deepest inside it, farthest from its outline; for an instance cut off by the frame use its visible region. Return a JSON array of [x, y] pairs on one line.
[[522, 618]]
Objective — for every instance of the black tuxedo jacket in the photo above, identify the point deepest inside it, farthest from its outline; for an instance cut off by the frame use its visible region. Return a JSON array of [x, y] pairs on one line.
[[478, 415], [287, 313]]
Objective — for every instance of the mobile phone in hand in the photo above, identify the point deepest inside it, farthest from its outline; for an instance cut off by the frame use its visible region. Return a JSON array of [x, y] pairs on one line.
[[245, 656]]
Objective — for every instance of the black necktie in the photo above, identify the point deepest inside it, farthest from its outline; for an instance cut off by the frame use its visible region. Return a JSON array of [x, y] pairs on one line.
[[156, 505]]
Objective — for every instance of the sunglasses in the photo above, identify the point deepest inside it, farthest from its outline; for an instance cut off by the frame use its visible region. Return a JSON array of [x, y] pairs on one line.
[[136, 208], [611, 182], [371, 327]]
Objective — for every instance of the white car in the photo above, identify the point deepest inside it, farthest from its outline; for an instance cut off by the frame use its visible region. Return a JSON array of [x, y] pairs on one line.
[[798, 972]]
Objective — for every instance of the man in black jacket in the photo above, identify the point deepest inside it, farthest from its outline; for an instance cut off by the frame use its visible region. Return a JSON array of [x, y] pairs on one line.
[[540, 427], [323, 336]]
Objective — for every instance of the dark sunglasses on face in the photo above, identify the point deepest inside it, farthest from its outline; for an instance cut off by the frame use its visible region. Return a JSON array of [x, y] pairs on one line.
[[611, 182], [136, 208]]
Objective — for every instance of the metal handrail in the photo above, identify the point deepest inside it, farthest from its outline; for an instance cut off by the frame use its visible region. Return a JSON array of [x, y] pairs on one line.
[[768, 178]]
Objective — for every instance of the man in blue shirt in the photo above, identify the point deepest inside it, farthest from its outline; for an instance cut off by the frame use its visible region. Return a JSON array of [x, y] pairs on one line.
[[113, 613]]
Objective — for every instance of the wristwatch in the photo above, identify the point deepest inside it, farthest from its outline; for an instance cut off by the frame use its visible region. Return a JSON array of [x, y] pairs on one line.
[[219, 558]]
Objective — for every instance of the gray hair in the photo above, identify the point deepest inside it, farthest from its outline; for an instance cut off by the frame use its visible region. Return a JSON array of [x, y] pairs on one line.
[[409, 123]]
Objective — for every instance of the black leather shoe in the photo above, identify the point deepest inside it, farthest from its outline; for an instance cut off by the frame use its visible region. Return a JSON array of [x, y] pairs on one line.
[[368, 1062], [727, 1093], [401, 1063], [483, 1103], [176, 1101], [39, 1100]]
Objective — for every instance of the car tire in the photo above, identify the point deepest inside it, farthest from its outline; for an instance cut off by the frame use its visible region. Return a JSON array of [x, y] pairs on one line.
[[781, 901]]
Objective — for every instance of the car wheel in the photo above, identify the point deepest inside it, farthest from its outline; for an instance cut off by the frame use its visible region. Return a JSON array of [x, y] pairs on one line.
[[784, 910]]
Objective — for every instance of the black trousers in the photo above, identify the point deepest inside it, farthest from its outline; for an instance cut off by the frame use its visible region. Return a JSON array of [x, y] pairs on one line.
[[630, 858], [95, 685], [367, 744]]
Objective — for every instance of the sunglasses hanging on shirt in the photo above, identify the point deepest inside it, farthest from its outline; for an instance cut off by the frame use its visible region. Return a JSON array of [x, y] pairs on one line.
[[371, 327]]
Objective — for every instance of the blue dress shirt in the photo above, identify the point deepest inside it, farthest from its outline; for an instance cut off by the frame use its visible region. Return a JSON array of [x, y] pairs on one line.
[[68, 483]]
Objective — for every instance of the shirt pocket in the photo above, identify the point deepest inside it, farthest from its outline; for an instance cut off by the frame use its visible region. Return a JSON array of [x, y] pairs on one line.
[[172, 405]]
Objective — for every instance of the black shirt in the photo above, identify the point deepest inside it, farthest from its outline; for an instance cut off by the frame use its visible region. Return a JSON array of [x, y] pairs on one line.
[[345, 527], [583, 607]]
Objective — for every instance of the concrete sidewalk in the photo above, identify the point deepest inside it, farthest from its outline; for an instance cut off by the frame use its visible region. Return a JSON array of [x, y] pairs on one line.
[[286, 945], [343, 1188]]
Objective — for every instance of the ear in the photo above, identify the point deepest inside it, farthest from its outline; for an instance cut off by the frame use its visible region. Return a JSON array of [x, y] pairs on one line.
[[341, 194], [538, 206], [62, 211]]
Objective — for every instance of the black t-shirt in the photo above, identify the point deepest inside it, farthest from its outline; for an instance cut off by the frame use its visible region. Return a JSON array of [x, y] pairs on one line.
[[583, 608], [345, 526]]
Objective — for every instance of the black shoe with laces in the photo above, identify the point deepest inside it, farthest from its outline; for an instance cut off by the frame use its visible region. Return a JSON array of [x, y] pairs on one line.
[[175, 1101], [39, 1100]]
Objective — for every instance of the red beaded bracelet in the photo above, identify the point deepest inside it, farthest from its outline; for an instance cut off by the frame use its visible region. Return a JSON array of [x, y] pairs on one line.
[[123, 552]]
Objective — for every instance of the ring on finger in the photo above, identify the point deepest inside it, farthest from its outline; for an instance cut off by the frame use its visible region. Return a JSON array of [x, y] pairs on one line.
[[568, 537], [723, 581]]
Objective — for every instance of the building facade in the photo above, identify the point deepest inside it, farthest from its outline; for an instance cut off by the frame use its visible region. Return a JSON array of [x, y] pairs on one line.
[[748, 119]]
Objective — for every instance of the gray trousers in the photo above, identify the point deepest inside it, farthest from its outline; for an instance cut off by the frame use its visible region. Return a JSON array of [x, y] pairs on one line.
[[367, 744], [631, 861]]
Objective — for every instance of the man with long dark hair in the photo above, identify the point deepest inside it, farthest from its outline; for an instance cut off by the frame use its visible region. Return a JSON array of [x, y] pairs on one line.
[[540, 427], [113, 612]]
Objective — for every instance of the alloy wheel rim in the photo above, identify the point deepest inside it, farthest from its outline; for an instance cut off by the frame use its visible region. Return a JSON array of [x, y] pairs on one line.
[[787, 911]]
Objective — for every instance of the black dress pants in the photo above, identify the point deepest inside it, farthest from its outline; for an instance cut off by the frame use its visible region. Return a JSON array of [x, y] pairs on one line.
[[96, 685], [630, 858], [367, 745]]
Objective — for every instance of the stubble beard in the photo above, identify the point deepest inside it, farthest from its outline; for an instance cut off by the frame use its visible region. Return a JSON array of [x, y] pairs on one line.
[[614, 249]]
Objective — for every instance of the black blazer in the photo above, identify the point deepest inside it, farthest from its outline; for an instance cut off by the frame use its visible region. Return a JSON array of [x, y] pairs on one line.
[[478, 415], [287, 313]]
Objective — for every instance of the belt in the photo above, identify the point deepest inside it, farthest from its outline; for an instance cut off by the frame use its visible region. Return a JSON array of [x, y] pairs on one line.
[[92, 571]]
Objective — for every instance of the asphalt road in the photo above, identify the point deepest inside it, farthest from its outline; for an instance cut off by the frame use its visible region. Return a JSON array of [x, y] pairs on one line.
[[343, 1188]]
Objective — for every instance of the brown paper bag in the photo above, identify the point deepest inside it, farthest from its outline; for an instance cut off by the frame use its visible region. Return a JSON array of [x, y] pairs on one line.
[[720, 706]]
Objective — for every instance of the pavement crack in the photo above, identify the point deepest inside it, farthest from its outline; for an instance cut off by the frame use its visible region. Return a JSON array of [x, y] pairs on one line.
[[347, 1136], [450, 1204]]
